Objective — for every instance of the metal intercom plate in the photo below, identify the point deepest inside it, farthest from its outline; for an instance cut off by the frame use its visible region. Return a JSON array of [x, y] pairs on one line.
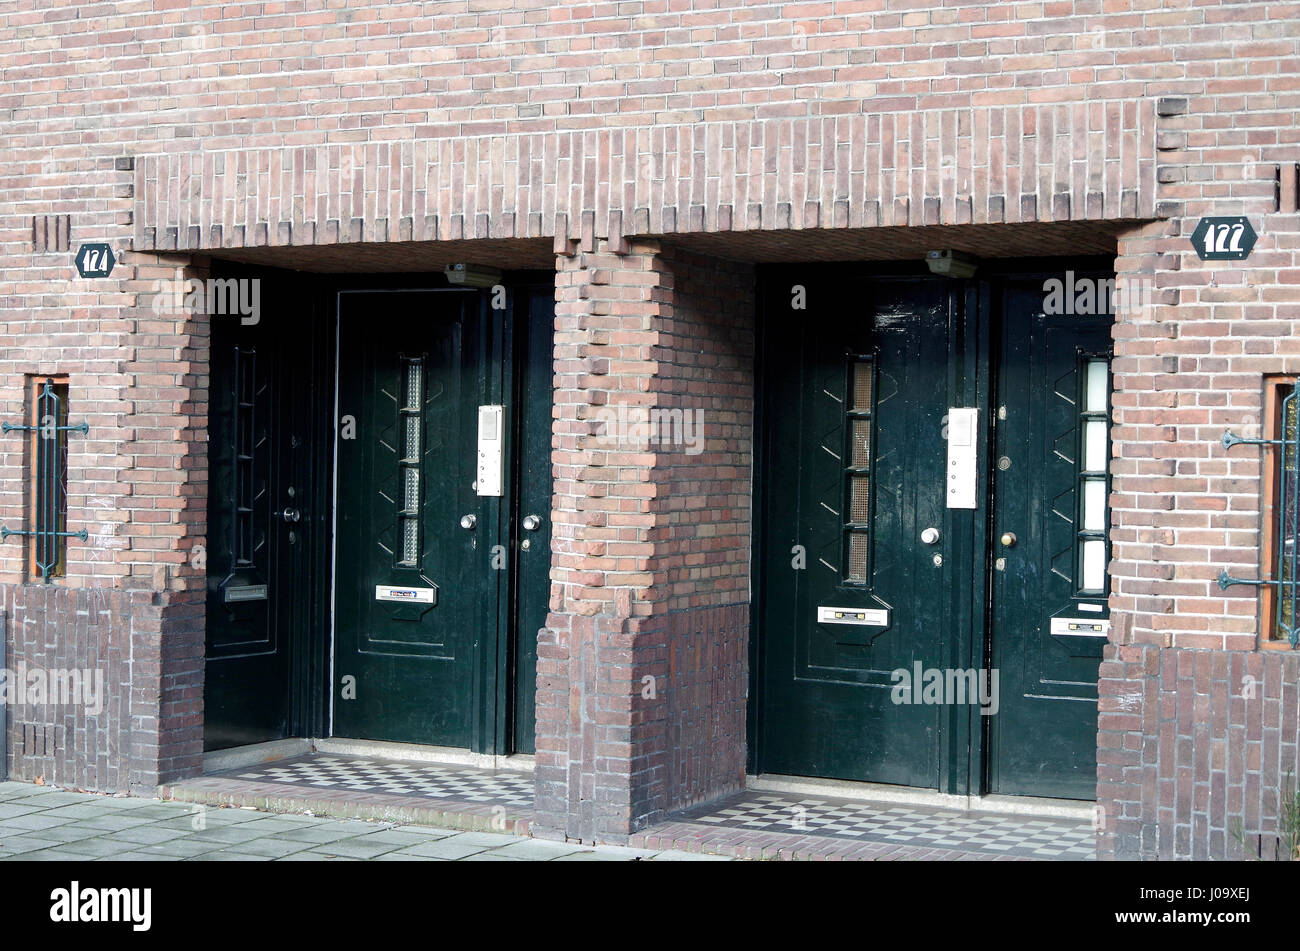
[[871, 617], [491, 453], [963, 447]]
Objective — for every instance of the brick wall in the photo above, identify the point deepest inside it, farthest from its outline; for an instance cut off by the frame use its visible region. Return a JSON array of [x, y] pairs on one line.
[[1184, 508], [641, 666], [140, 735], [253, 128], [1194, 751]]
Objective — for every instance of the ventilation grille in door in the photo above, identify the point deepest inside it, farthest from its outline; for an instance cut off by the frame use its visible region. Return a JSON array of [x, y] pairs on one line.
[[860, 425], [411, 418]]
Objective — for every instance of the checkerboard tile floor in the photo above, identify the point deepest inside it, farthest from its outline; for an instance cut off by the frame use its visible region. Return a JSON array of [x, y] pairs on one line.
[[422, 780], [907, 825]]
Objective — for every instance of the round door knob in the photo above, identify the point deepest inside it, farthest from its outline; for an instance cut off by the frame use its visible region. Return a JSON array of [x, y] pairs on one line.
[[930, 536], [1008, 539], [468, 522], [290, 515], [532, 523]]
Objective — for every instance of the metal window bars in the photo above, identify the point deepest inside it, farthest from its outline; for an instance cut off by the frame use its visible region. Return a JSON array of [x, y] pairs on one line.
[[1287, 524], [49, 515]]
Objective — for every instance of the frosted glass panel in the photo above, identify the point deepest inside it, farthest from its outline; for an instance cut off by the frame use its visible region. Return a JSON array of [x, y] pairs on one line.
[[1097, 383], [1094, 564], [1094, 505], [1094, 445]]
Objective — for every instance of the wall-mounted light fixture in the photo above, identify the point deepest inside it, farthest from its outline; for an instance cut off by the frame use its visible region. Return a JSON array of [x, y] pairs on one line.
[[472, 275], [951, 263]]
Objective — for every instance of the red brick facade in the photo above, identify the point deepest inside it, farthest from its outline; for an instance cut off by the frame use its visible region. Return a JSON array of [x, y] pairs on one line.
[[372, 136]]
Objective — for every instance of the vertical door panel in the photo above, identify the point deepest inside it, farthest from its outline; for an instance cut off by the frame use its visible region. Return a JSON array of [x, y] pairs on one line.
[[257, 456], [855, 398], [532, 513], [1049, 492], [409, 586]]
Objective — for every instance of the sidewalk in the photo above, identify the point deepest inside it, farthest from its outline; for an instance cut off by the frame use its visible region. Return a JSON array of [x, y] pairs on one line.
[[39, 823]]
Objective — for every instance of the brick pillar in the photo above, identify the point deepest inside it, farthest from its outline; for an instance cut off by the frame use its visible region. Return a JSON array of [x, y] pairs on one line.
[[642, 667], [168, 380]]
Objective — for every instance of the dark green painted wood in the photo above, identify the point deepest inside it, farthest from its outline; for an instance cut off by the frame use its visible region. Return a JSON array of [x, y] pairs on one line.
[[534, 321], [259, 452], [415, 665], [1043, 740], [826, 690]]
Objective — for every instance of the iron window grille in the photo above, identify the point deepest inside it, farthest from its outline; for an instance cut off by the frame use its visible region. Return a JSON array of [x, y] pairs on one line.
[[48, 487], [1282, 526]]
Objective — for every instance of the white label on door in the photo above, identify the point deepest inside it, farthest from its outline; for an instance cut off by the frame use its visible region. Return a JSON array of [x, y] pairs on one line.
[[871, 617], [1087, 627], [490, 451], [409, 595], [963, 447]]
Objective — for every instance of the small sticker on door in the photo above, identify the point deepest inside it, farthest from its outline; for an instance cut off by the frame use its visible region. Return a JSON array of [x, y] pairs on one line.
[[407, 595]]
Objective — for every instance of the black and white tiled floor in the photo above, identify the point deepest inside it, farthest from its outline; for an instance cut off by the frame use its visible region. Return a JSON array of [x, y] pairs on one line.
[[423, 780], [841, 820], [910, 825]]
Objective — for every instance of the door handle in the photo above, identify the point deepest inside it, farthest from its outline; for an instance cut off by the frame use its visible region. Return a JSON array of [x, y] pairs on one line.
[[468, 522], [930, 536], [532, 523], [289, 515], [1008, 539]]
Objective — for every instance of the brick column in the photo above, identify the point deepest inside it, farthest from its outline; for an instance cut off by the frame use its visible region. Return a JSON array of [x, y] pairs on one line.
[[642, 667]]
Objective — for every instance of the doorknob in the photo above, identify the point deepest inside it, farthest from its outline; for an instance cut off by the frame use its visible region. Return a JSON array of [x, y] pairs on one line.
[[532, 523], [930, 536], [290, 515], [468, 522], [1008, 539]]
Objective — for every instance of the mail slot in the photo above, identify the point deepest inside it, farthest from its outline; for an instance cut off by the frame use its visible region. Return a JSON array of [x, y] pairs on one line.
[[870, 617], [245, 592], [404, 595], [1087, 627]]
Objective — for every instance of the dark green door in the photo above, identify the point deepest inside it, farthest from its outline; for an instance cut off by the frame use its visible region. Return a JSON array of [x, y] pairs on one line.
[[1049, 528], [856, 388], [414, 590], [530, 530], [257, 563], [440, 578], [1000, 602]]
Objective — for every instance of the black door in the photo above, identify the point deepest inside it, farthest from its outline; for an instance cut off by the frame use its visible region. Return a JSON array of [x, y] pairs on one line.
[[1050, 549], [533, 316], [903, 636], [359, 583], [258, 561], [442, 551], [414, 587], [855, 397]]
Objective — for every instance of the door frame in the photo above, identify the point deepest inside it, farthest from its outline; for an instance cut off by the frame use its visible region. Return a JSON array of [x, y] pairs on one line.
[[311, 647], [971, 381]]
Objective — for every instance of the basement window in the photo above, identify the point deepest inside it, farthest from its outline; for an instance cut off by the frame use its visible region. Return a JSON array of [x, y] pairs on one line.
[[47, 477], [1281, 517]]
